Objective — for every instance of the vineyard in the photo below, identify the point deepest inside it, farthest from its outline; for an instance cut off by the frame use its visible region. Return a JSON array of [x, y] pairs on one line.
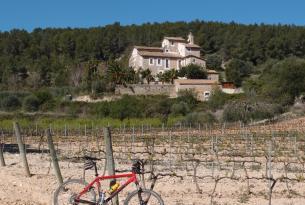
[[198, 164]]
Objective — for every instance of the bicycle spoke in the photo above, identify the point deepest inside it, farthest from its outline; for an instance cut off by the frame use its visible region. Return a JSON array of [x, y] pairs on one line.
[[69, 192], [148, 199]]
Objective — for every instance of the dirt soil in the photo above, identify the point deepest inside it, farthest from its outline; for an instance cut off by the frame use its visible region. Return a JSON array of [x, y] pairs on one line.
[[16, 189]]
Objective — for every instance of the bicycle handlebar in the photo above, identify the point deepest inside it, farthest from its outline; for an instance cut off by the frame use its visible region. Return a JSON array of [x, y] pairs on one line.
[[137, 166], [91, 158]]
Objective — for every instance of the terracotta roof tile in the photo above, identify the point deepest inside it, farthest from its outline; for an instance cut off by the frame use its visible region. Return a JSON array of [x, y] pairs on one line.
[[175, 38], [193, 56], [148, 48], [159, 54], [212, 71], [191, 46]]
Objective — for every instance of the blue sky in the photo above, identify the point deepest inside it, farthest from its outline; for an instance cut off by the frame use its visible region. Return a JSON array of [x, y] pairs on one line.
[[29, 14]]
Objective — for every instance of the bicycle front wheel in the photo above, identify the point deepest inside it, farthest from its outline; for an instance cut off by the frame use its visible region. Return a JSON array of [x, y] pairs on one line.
[[68, 191], [148, 197]]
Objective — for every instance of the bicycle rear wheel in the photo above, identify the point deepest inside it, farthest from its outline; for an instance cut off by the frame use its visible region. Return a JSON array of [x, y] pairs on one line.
[[149, 197], [66, 193]]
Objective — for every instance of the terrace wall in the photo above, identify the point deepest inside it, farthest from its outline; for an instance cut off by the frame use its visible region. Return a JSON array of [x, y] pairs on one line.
[[146, 89]]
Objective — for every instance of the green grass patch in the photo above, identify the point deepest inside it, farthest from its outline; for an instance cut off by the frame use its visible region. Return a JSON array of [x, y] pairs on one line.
[[76, 123]]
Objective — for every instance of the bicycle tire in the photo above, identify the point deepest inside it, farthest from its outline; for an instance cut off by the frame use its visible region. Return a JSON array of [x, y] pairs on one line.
[[80, 182], [145, 191]]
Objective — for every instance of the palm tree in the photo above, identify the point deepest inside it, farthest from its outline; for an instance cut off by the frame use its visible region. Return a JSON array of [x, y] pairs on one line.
[[120, 75], [116, 73], [146, 74], [161, 77], [170, 76]]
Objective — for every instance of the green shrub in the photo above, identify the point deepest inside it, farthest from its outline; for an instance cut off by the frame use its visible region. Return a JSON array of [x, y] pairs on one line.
[[18, 94], [180, 108], [164, 109], [31, 103], [199, 118], [283, 81], [63, 91], [74, 109], [214, 62], [46, 100], [187, 96], [237, 70], [246, 111], [43, 96], [10, 103], [48, 106], [192, 71], [126, 107], [101, 109], [218, 99]]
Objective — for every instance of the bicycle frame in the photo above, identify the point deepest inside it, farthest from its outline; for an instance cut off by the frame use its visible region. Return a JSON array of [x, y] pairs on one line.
[[132, 178]]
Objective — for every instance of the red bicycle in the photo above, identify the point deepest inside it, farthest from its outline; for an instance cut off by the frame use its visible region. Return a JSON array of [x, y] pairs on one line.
[[78, 191]]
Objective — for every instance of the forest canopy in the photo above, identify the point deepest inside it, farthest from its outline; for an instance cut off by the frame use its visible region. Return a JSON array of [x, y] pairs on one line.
[[68, 57]]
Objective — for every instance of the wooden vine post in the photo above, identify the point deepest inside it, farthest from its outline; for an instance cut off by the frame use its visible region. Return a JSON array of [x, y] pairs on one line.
[[109, 156], [2, 162], [22, 150], [54, 157], [269, 172]]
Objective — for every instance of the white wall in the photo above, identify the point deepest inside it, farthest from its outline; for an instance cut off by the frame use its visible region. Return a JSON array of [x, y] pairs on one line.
[[165, 43], [133, 58], [232, 90], [181, 49], [192, 52]]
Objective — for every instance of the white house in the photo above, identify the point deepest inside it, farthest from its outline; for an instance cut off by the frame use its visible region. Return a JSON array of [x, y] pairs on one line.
[[174, 53]]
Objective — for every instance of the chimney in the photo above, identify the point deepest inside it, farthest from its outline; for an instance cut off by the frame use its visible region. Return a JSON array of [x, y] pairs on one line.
[[190, 38]]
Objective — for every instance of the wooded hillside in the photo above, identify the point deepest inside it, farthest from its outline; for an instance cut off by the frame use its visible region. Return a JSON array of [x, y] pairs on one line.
[[49, 57]]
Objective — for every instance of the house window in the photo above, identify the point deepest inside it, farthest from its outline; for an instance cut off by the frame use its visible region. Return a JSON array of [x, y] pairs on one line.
[[188, 49], [193, 60], [166, 63], [151, 61], [206, 94], [172, 43], [159, 62], [166, 50]]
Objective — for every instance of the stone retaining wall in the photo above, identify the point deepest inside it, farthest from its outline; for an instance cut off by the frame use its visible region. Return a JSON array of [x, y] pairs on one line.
[[146, 89]]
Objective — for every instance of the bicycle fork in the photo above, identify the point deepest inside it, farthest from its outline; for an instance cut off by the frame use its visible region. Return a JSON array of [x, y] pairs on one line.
[[139, 188]]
